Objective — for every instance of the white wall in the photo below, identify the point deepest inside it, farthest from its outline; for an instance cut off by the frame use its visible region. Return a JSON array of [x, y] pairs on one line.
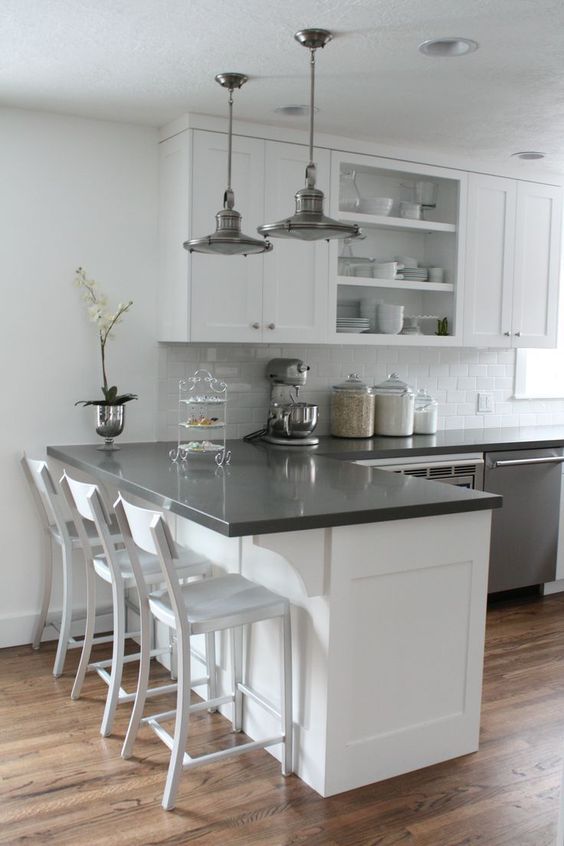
[[72, 192]]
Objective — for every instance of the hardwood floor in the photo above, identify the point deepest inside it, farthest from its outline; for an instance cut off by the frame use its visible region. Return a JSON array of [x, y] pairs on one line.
[[61, 783]]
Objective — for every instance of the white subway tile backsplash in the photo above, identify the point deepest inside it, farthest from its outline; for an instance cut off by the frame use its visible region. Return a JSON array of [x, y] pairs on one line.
[[452, 376]]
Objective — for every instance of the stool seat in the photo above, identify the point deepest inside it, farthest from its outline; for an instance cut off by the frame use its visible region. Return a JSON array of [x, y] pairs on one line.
[[220, 603], [150, 566]]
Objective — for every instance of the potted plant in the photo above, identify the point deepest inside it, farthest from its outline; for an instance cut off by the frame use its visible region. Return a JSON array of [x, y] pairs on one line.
[[110, 409]]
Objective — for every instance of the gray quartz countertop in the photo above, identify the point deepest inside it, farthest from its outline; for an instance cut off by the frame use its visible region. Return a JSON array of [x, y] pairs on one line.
[[454, 440], [269, 489]]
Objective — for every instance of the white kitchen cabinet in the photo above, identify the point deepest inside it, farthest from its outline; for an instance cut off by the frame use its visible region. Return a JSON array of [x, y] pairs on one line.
[[226, 291], [538, 235], [278, 297], [512, 263], [436, 241], [296, 272]]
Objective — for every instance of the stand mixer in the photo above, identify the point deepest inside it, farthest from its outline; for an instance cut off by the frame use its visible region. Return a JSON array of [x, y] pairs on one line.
[[290, 423]]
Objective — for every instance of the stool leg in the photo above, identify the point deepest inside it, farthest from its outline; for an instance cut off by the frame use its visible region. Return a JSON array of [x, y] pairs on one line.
[[117, 658], [143, 680], [46, 593], [237, 674], [66, 618], [211, 667], [287, 762], [181, 724], [88, 633]]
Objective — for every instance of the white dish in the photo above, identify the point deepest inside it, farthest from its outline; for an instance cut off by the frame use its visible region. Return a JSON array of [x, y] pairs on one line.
[[376, 205], [206, 446], [348, 330]]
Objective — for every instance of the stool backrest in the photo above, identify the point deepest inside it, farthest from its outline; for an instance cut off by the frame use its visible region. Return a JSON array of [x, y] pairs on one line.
[[47, 497], [85, 502], [148, 530]]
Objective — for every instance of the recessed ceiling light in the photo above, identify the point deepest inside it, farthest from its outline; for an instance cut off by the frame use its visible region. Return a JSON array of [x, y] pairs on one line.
[[294, 111], [529, 155], [448, 47]]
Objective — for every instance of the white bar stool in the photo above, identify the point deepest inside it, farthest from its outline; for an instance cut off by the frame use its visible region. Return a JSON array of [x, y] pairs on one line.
[[59, 529], [114, 567], [226, 602]]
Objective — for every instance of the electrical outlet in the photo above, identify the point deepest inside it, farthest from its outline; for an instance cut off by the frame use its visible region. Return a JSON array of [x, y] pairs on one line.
[[485, 403]]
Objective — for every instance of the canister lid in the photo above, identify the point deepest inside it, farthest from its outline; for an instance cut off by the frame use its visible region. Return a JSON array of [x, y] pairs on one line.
[[354, 384], [423, 398], [393, 386]]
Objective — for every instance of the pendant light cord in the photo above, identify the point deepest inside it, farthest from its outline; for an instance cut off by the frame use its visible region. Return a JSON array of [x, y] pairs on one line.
[[229, 198], [310, 171]]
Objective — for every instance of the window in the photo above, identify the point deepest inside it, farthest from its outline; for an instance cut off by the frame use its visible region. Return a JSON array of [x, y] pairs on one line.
[[539, 374]]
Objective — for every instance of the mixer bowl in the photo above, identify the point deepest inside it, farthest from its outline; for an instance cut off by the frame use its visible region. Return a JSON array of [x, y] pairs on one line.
[[294, 420]]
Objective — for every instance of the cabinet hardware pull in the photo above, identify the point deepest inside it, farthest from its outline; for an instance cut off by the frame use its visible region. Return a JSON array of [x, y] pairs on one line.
[[255, 325], [518, 334], [507, 334], [553, 459], [271, 326]]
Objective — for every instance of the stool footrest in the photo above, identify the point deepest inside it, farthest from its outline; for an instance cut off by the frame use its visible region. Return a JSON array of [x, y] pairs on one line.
[[209, 757], [260, 700]]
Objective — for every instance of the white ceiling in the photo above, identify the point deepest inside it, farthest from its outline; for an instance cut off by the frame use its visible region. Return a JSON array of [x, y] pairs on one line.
[[149, 61]]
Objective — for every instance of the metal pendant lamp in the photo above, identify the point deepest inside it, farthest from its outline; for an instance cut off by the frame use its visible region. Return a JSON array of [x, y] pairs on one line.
[[309, 223], [228, 240]]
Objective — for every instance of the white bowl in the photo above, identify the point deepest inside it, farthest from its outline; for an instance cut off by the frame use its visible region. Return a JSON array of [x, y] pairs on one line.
[[390, 310], [407, 261], [385, 269], [390, 330], [376, 205]]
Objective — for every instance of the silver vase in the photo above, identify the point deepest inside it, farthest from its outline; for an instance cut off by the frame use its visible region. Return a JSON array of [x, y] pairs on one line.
[[109, 423]]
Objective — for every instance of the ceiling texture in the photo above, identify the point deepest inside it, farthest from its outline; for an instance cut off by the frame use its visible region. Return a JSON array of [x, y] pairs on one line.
[[150, 61]]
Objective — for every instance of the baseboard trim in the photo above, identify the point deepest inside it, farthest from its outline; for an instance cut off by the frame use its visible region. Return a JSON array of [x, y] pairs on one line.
[[17, 629], [552, 587]]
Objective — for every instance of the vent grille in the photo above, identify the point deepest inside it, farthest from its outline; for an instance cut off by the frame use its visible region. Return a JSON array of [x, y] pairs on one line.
[[447, 472]]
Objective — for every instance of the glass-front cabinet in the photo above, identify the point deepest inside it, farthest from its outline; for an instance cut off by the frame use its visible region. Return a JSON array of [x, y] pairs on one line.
[[400, 283]]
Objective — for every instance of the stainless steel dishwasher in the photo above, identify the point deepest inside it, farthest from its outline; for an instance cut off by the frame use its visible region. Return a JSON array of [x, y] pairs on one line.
[[525, 530]]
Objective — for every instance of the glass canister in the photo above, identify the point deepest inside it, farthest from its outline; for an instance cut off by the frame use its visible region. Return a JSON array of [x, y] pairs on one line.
[[426, 414], [394, 407], [352, 409]]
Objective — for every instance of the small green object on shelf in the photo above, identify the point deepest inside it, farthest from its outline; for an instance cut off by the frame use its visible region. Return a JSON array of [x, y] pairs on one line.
[[442, 326]]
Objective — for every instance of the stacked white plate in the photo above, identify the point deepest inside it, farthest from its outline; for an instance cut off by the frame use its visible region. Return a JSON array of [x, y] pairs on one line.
[[353, 324], [349, 308], [369, 310], [415, 274]]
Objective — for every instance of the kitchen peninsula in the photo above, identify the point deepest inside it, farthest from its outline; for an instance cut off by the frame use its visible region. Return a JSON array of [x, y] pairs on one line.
[[387, 577]]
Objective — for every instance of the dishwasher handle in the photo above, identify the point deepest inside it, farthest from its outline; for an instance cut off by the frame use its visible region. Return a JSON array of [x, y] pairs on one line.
[[517, 462]]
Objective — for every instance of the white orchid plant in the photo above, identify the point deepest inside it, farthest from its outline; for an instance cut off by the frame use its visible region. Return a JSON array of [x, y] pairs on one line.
[[106, 321]]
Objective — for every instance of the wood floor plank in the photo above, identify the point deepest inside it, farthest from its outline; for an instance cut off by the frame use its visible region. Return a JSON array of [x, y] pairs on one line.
[[61, 783]]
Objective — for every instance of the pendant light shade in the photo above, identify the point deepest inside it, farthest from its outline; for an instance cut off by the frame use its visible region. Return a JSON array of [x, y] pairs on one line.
[[228, 240], [309, 223]]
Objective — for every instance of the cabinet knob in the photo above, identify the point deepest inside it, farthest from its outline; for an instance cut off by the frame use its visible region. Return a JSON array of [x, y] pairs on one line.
[[518, 334], [255, 325], [507, 334], [271, 326]]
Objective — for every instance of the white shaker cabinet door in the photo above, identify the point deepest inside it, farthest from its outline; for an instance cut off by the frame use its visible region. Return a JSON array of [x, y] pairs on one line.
[[226, 300], [537, 265], [296, 273], [489, 261]]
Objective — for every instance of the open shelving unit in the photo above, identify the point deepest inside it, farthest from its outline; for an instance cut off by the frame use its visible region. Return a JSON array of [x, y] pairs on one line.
[[433, 242]]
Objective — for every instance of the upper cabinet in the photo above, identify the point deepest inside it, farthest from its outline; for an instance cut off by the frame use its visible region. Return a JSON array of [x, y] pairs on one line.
[[413, 222], [479, 253], [279, 297], [226, 291], [512, 263]]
